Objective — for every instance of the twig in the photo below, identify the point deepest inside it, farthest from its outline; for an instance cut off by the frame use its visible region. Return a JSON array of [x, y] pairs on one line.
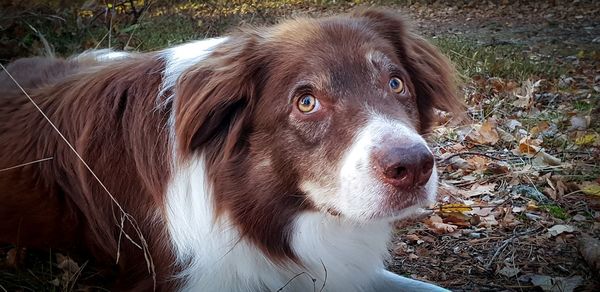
[[500, 249], [470, 153], [47, 48], [27, 163], [73, 279], [110, 25], [138, 19]]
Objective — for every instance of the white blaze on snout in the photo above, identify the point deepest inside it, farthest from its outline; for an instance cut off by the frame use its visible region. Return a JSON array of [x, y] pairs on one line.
[[362, 194]]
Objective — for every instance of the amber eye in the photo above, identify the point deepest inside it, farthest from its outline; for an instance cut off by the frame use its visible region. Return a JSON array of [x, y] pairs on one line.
[[308, 104], [396, 85]]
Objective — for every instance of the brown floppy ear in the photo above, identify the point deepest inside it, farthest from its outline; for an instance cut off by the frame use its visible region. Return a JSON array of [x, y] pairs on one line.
[[432, 74], [215, 98]]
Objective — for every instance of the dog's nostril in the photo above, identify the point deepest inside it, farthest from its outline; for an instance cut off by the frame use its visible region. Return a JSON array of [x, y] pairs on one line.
[[396, 172]]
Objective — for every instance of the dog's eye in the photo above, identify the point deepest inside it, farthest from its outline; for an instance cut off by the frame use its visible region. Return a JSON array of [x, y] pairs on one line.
[[396, 85], [308, 104]]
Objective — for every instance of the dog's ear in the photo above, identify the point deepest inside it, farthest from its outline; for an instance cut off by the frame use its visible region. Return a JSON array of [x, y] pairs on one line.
[[215, 98], [432, 74]]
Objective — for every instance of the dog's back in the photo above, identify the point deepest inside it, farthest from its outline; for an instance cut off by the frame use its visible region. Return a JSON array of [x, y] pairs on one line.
[[35, 72], [30, 210]]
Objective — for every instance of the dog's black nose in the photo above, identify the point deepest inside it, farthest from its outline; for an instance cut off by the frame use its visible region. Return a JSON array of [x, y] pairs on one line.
[[404, 167]]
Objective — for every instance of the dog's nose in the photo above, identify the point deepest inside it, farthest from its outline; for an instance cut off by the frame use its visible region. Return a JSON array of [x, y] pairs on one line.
[[404, 167]]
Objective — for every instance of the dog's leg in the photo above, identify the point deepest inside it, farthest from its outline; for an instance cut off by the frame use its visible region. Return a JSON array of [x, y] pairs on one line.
[[388, 281]]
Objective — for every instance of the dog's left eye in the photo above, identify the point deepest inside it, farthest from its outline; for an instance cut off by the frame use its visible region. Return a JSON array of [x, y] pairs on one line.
[[308, 104], [396, 85]]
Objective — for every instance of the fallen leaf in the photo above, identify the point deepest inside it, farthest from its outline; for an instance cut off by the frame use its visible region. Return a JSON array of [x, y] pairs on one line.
[[436, 223], [589, 248], [496, 168], [518, 209], [482, 212], [66, 264], [488, 221], [477, 190], [559, 229], [452, 208], [525, 94], [15, 257], [412, 237], [587, 139], [539, 128], [553, 284], [543, 159], [578, 123], [486, 134], [592, 190], [513, 124], [509, 272], [532, 193]]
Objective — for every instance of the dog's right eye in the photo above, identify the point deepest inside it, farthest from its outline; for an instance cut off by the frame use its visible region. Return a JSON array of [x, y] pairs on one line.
[[396, 85], [308, 104]]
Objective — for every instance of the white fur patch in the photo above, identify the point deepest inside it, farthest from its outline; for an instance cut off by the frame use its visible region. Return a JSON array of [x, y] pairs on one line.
[[102, 55], [358, 194], [180, 58], [208, 250]]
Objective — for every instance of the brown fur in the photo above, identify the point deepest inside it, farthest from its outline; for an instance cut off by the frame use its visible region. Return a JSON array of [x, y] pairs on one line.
[[107, 113]]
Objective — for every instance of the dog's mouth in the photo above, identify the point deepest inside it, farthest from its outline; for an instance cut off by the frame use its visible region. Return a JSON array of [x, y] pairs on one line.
[[391, 209]]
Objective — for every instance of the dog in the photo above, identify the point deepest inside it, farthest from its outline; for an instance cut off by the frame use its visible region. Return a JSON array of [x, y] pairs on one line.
[[272, 159]]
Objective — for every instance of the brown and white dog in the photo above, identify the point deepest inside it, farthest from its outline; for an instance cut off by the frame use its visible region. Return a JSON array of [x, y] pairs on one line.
[[273, 158]]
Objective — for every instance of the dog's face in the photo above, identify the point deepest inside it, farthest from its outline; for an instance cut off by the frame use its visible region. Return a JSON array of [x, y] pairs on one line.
[[333, 110]]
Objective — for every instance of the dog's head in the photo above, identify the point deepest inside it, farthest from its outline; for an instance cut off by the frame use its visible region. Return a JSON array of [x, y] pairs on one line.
[[324, 114]]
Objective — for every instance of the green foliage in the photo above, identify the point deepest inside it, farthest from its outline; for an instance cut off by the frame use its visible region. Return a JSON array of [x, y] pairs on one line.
[[556, 211], [502, 60]]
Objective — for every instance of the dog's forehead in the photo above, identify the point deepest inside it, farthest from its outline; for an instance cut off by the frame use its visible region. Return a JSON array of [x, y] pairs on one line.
[[343, 36]]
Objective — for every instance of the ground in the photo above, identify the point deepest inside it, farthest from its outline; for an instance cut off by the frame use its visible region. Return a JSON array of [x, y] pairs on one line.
[[519, 201]]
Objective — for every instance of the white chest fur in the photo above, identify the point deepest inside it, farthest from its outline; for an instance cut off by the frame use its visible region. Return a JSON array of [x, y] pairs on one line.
[[338, 254]]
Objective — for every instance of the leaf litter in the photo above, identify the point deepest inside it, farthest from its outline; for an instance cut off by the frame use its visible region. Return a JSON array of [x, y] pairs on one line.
[[519, 196]]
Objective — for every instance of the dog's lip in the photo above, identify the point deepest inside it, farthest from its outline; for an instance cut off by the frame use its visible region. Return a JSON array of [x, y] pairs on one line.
[[418, 211]]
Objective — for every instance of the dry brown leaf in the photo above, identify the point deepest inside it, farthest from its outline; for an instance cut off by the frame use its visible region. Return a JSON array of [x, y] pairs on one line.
[[66, 264], [412, 237], [477, 190], [525, 94], [539, 128], [488, 221], [15, 257], [486, 134], [497, 168], [481, 212], [436, 223]]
